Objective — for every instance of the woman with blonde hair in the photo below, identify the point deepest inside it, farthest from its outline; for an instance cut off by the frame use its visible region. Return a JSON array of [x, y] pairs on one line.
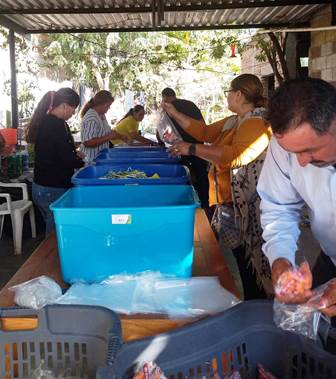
[[55, 154], [95, 130], [234, 143]]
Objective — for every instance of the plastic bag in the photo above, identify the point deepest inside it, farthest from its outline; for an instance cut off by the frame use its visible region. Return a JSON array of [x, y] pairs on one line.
[[42, 372], [166, 129], [151, 292], [145, 370], [37, 292], [301, 318]]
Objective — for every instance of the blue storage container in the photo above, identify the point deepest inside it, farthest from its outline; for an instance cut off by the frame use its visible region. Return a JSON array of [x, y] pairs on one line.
[[115, 156], [135, 148], [109, 230], [169, 174]]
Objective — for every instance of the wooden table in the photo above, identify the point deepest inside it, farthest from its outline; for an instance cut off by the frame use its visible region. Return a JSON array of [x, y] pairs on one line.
[[208, 261]]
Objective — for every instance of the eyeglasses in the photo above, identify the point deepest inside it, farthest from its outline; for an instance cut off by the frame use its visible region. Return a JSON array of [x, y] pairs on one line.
[[226, 92]]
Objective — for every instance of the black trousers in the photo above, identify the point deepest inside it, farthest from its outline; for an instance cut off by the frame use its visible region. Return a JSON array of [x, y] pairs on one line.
[[199, 177], [323, 271], [248, 276]]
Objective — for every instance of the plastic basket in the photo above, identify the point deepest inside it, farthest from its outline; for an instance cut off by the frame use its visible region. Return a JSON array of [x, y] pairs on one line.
[[108, 230], [78, 339], [135, 148], [237, 339], [115, 156], [168, 174]]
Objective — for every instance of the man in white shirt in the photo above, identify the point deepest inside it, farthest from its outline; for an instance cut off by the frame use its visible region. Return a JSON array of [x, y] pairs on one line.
[[299, 168]]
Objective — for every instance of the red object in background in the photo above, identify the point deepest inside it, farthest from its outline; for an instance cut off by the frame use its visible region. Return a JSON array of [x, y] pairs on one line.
[[9, 135], [233, 50]]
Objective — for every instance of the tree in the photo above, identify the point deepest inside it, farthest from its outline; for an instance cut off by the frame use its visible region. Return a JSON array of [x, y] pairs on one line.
[[272, 49]]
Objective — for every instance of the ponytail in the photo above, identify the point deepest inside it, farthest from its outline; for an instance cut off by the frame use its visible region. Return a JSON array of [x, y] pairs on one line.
[[48, 102], [101, 97], [88, 105]]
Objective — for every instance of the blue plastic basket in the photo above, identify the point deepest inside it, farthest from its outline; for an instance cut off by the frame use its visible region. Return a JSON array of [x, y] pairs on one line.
[[237, 339], [106, 230], [169, 174], [115, 156], [75, 339], [135, 148]]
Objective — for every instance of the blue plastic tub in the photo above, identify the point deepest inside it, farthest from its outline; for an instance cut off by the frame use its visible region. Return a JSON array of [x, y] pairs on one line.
[[169, 174], [115, 156], [109, 230], [135, 148]]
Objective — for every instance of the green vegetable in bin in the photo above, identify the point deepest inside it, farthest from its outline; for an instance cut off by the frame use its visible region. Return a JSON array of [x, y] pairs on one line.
[[128, 174]]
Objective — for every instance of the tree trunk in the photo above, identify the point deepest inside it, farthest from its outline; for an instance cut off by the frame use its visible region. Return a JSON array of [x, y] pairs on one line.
[[272, 61], [281, 55]]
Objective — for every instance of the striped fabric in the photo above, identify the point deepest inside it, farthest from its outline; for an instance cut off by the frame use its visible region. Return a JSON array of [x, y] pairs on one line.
[[93, 126]]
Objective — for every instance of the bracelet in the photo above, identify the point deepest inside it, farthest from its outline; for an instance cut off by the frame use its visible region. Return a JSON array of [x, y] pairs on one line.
[[192, 149]]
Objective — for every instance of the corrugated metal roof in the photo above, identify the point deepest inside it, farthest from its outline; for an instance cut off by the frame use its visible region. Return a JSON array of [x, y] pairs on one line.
[[36, 16]]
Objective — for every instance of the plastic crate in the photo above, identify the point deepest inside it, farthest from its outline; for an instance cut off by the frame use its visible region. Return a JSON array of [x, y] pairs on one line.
[[237, 339], [135, 148], [78, 339], [169, 174], [115, 156], [107, 230]]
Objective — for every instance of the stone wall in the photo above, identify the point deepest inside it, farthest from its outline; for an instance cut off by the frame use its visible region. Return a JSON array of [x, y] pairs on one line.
[[322, 54]]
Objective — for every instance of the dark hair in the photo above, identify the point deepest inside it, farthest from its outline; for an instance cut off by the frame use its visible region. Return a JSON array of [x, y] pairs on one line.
[[168, 92], [252, 88], [101, 97], [48, 102], [299, 101], [133, 110]]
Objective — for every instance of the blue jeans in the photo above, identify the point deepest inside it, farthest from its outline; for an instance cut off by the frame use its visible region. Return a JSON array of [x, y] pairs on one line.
[[43, 197]]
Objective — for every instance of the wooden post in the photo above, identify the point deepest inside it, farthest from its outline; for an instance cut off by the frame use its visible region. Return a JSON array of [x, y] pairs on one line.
[[15, 112]]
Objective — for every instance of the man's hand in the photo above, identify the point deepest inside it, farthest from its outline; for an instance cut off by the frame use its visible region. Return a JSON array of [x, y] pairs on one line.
[[291, 286], [179, 148], [328, 300], [169, 108]]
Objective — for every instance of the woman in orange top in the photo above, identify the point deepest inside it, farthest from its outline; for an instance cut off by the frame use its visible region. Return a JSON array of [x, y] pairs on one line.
[[234, 142]]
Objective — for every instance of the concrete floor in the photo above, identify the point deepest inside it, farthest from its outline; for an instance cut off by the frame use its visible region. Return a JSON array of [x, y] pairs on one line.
[[10, 263]]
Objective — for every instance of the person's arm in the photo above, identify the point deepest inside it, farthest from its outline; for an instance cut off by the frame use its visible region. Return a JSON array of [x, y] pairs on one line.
[[66, 150], [89, 130], [280, 206], [137, 137], [196, 128]]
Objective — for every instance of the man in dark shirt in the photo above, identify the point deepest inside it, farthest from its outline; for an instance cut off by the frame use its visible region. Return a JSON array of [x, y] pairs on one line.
[[197, 166]]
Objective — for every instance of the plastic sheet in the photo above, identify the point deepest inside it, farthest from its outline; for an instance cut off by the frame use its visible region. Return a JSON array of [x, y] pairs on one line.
[[151, 292], [301, 318], [166, 129], [42, 372], [36, 293]]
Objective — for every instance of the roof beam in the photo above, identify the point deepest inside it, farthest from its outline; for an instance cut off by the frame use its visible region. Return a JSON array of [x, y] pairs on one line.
[[165, 29], [9, 24], [148, 9]]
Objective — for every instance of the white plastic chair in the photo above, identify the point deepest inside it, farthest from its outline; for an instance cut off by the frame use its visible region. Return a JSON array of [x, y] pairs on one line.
[[17, 210]]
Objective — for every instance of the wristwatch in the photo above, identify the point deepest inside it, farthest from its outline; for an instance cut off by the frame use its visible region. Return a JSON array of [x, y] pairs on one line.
[[192, 149]]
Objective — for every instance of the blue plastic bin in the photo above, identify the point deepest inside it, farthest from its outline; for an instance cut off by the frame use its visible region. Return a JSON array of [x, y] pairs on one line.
[[107, 230], [169, 174], [135, 148], [115, 156]]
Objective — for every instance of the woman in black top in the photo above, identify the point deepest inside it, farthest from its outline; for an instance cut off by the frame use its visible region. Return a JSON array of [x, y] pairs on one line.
[[55, 153]]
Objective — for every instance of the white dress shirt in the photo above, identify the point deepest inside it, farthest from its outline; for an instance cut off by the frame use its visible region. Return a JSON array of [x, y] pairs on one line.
[[284, 186]]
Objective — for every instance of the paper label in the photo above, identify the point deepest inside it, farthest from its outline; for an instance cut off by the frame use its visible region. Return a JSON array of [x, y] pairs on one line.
[[122, 219]]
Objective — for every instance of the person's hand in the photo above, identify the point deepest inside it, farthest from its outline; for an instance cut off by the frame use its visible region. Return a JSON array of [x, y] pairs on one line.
[[327, 304], [115, 135], [179, 148], [80, 154], [169, 108], [291, 286]]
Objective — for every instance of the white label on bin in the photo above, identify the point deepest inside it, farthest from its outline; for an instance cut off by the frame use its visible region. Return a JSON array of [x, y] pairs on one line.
[[122, 219]]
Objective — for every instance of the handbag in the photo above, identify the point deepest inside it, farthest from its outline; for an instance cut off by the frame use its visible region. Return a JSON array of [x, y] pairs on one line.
[[223, 223]]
